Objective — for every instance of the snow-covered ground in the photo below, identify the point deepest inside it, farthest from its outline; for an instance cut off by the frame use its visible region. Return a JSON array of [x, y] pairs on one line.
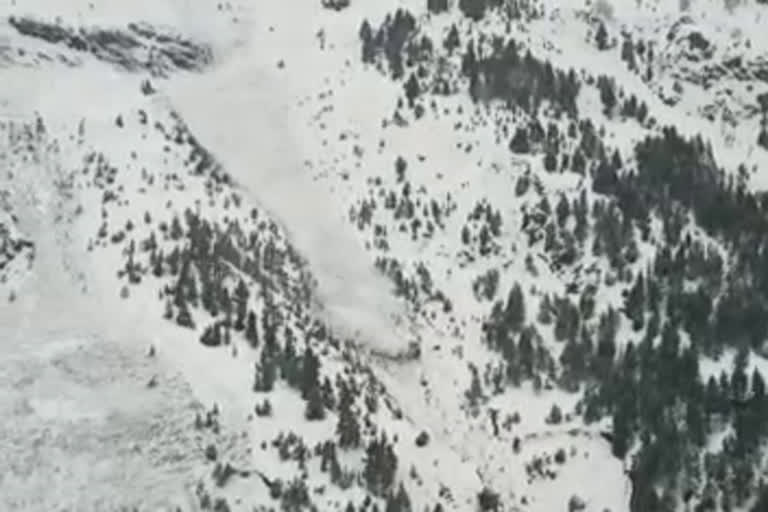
[[304, 129], [82, 430], [245, 111]]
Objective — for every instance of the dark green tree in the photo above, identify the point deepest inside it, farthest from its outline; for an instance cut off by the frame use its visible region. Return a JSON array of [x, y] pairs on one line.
[[514, 311], [241, 299], [315, 410], [348, 427], [251, 333], [473, 9], [601, 37]]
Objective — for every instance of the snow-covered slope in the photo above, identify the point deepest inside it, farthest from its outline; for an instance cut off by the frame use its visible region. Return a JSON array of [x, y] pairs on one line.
[[394, 256]]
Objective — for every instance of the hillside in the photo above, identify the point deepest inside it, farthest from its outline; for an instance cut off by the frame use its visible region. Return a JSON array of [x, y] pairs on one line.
[[421, 255]]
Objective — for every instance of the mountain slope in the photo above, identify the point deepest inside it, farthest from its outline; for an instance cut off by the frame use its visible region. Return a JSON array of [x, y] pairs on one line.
[[406, 257]]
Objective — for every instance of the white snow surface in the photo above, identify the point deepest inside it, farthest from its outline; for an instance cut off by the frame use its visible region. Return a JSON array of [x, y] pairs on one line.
[[248, 123], [276, 136]]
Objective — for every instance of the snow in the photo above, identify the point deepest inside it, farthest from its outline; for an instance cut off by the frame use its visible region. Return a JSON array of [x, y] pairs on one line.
[[247, 122], [276, 129], [83, 431]]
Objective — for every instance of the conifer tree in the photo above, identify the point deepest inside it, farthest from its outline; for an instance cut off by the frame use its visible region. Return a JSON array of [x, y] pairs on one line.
[[621, 433], [473, 9], [310, 376], [634, 304], [241, 297], [348, 428], [402, 499], [380, 466], [327, 394], [758, 387], [526, 353], [184, 317], [290, 364], [210, 337], [739, 379], [520, 143], [251, 334], [601, 37], [475, 393], [437, 6], [176, 230], [157, 264], [412, 89], [452, 40], [514, 312], [192, 293], [265, 373], [315, 410], [168, 314], [712, 399], [544, 316], [563, 210]]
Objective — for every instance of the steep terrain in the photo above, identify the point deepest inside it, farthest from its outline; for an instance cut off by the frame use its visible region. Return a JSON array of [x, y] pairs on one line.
[[423, 255]]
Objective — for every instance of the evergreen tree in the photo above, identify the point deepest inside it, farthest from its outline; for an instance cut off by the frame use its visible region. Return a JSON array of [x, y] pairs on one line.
[[526, 352], [514, 312], [587, 302], [402, 499], [269, 329], [251, 334], [176, 230], [412, 89], [265, 373], [574, 363], [290, 364], [762, 138], [473, 9], [437, 6], [452, 40], [241, 298], [520, 143], [758, 386], [628, 53], [327, 394], [566, 319], [184, 317], [380, 466], [622, 433], [695, 423], [634, 303], [348, 428], [157, 265], [369, 46], [310, 373], [579, 162], [544, 316], [601, 37], [761, 504], [606, 338], [465, 235], [211, 336], [712, 399], [642, 112], [168, 314], [475, 393], [315, 410], [607, 94], [550, 161], [469, 64], [192, 294], [563, 210], [739, 379]]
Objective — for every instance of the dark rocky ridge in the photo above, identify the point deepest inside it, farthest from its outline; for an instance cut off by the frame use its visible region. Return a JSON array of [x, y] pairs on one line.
[[137, 47]]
